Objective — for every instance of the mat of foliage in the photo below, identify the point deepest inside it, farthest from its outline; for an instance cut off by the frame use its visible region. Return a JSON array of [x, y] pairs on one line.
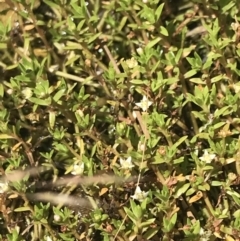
[[119, 120]]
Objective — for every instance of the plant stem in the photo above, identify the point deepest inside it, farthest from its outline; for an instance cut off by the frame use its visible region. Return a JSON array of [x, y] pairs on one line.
[[208, 204]]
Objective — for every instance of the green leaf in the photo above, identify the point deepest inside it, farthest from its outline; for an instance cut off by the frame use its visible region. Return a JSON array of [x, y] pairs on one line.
[[147, 223], [52, 119], [173, 220], [178, 160], [198, 59], [37, 101], [163, 31], [94, 37], [1, 90], [169, 224], [6, 136], [78, 11], [71, 24], [158, 11], [217, 78], [150, 233], [122, 23], [147, 14], [59, 95], [3, 45], [158, 159], [81, 24], [190, 73], [139, 82], [228, 6], [130, 214], [216, 183], [137, 210], [179, 55], [51, 4], [171, 81], [182, 190], [190, 192], [179, 142], [72, 60], [197, 81], [44, 220], [207, 64], [218, 125], [22, 209], [200, 115], [235, 197], [222, 112], [153, 43]]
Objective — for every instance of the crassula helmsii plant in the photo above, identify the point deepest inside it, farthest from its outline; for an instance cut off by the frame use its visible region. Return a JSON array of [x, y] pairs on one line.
[[119, 120]]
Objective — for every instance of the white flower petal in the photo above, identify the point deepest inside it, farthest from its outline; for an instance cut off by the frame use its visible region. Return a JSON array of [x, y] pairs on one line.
[[139, 104], [144, 104], [56, 218], [131, 63], [3, 187], [139, 194], [129, 159], [78, 169], [49, 239], [207, 157], [126, 164]]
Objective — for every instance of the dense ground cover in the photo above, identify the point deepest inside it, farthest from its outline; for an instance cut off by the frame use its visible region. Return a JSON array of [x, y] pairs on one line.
[[119, 120]]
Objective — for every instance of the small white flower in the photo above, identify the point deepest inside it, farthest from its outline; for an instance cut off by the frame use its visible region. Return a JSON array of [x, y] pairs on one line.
[[131, 63], [27, 92], [56, 218], [53, 68], [201, 232], [78, 169], [139, 51], [141, 146], [10, 91], [139, 194], [204, 235], [126, 164], [144, 104], [236, 88], [49, 239], [3, 187], [207, 158]]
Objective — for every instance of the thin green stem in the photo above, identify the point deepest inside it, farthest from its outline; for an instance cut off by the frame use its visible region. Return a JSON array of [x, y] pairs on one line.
[[93, 137], [159, 174], [71, 150], [167, 136], [26, 148], [208, 204], [185, 91], [86, 81]]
